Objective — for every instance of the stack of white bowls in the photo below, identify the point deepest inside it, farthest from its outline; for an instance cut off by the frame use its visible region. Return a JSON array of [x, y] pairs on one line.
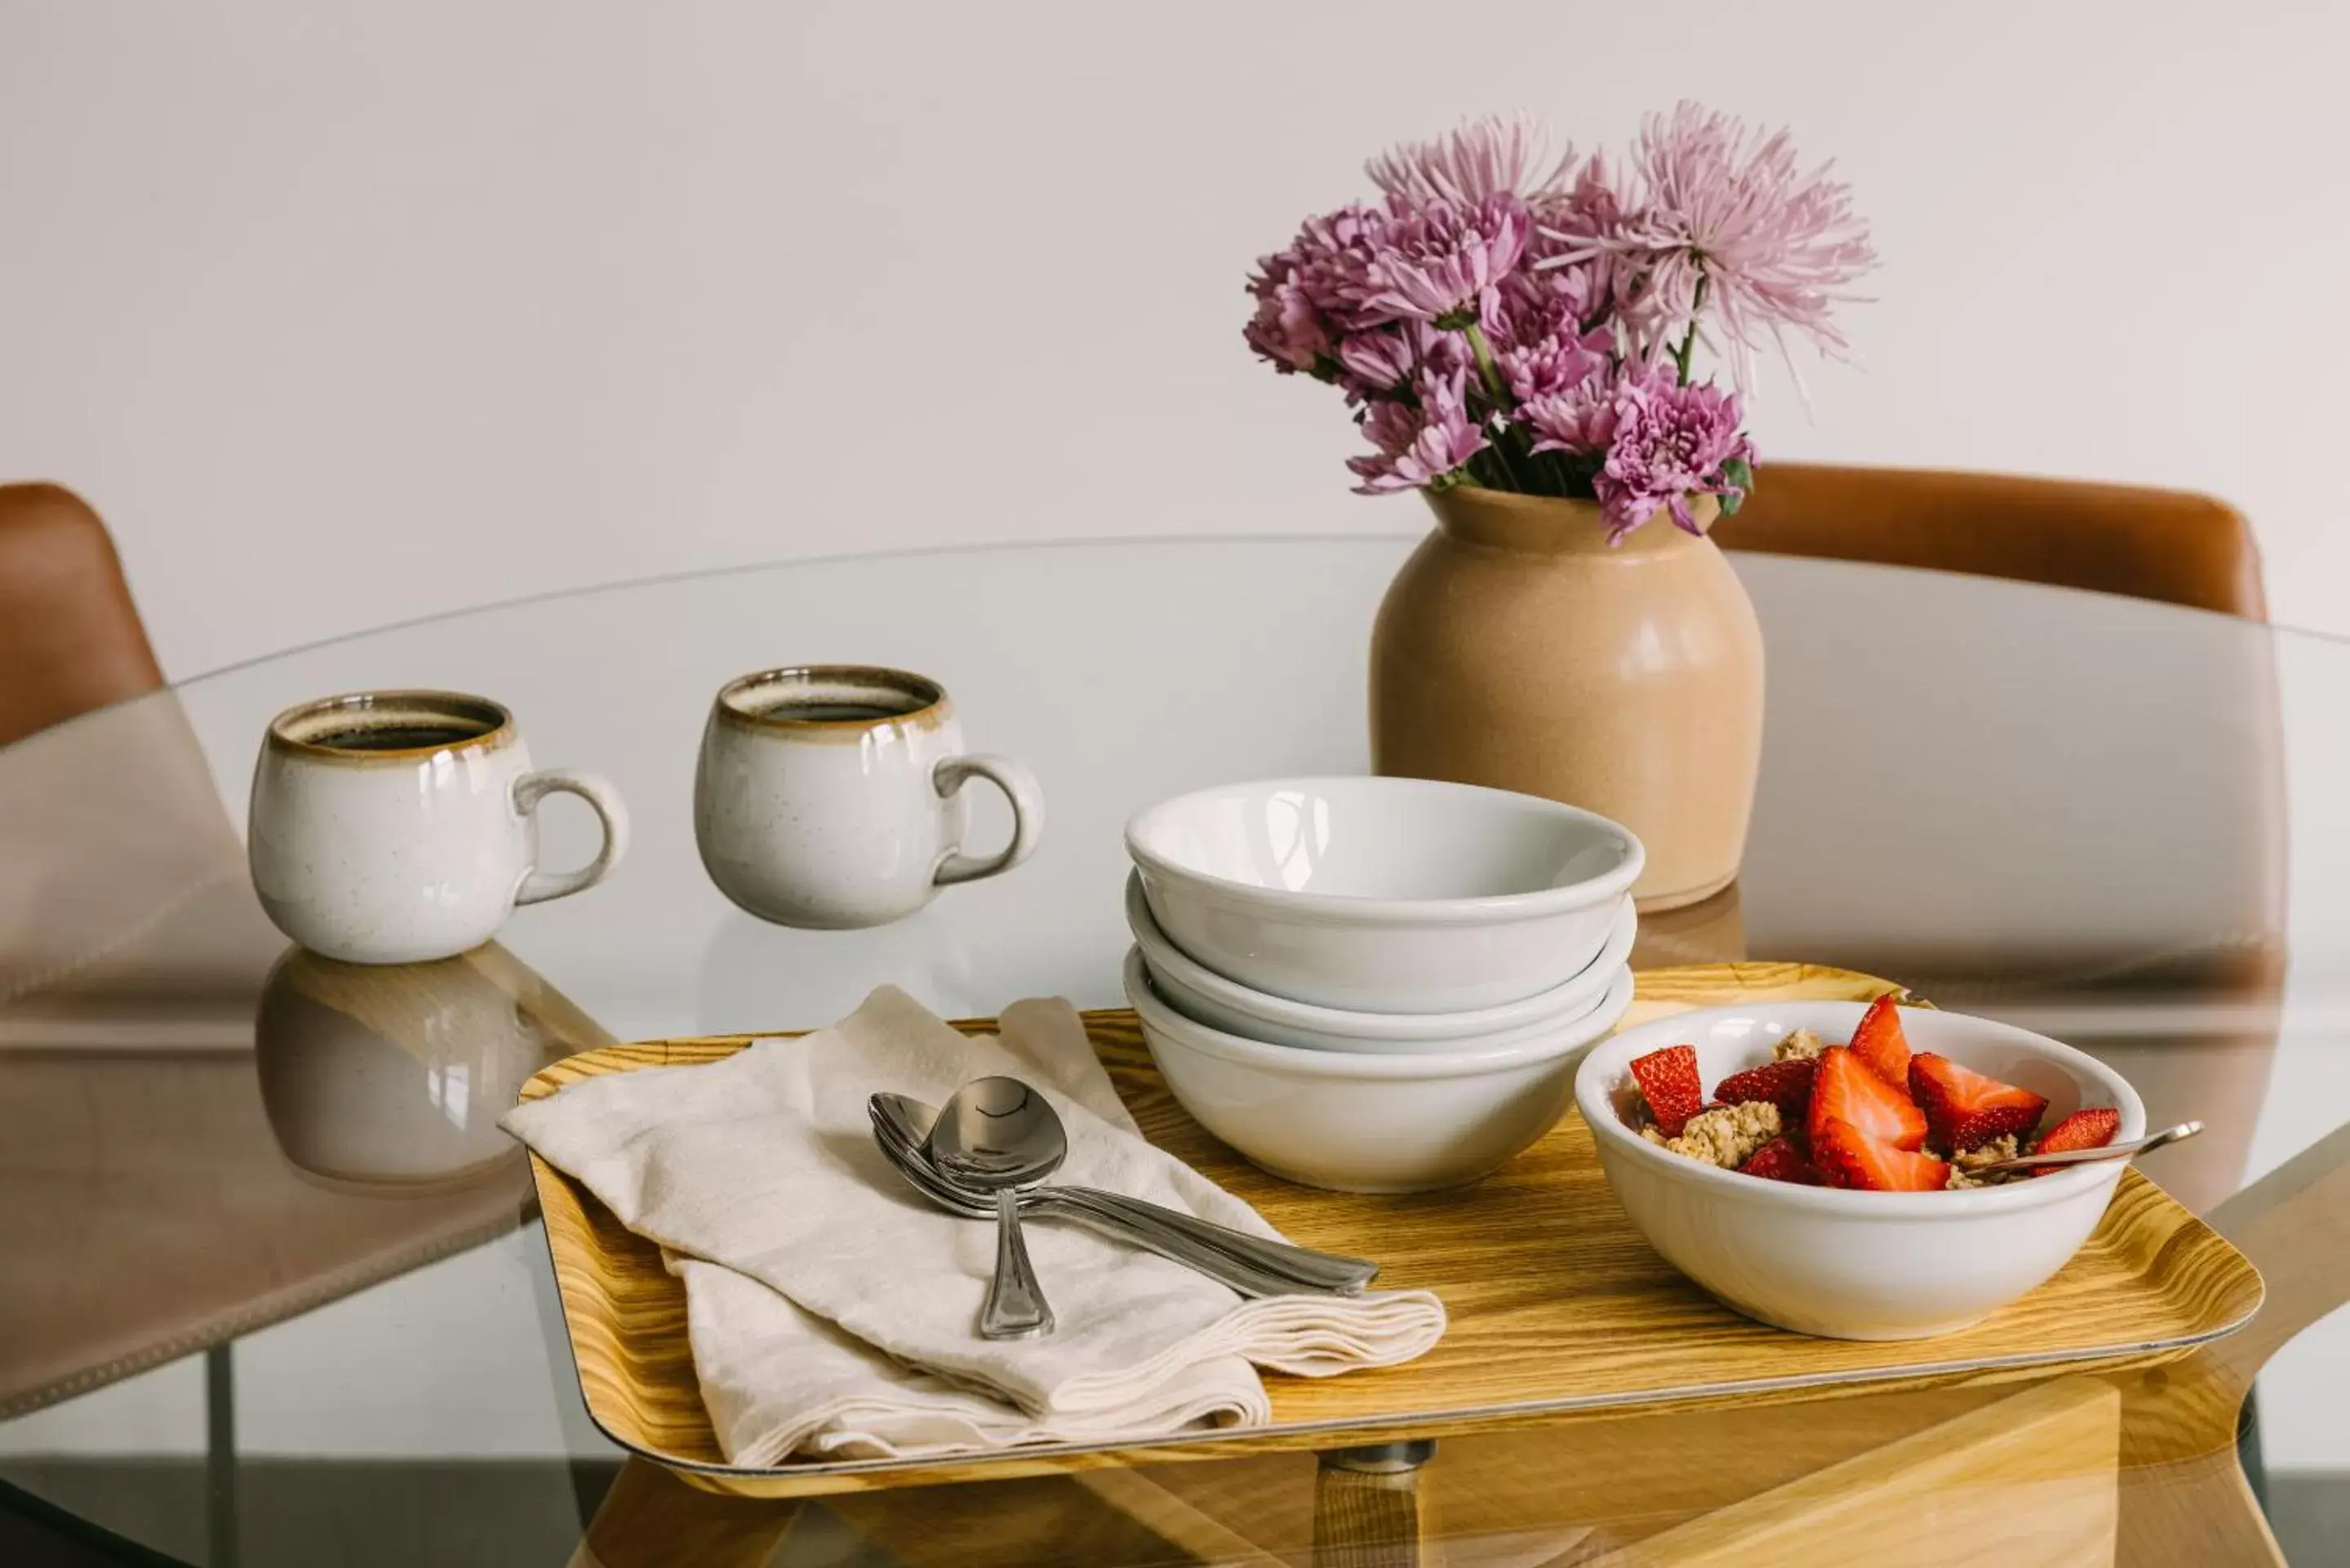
[[1377, 984]]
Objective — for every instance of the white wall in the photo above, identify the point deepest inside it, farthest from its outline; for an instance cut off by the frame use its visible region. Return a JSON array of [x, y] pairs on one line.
[[348, 314]]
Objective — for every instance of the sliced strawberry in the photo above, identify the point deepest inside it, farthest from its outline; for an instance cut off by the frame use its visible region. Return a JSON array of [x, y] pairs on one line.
[[1786, 1085], [1964, 1107], [1780, 1160], [2092, 1128], [1880, 1043], [1842, 1089], [1668, 1077], [1847, 1157]]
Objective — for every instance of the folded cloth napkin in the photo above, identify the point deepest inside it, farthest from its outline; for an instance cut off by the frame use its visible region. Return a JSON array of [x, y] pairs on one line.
[[833, 1313]]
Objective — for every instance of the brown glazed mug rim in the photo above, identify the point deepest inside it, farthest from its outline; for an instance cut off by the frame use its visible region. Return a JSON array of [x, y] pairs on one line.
[[930, 697], [460, 707]]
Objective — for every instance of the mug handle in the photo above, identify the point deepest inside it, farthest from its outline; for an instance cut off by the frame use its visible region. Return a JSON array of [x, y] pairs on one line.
[[532, 789], [1019, 787]]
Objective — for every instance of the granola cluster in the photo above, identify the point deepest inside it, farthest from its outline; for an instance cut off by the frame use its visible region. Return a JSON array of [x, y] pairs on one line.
[[1801, 1045], [1966, 1164], [1724, 1135]]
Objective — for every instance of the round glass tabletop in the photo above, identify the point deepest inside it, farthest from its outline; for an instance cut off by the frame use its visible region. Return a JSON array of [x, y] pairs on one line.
[[273, 1291]]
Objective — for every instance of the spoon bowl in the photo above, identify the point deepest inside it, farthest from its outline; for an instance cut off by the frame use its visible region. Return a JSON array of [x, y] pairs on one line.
[[997, 1133]]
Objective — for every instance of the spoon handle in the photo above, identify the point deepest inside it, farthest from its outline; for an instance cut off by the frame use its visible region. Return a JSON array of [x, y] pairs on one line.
[[1136, 1231], [1016, 1307], [1320, 1271], [2129, 1150]]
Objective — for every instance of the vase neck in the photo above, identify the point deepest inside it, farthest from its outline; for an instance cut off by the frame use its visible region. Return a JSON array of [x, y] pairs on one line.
[[1555, 526]]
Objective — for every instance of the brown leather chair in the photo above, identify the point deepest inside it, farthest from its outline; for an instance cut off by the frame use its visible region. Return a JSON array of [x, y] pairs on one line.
[[70, 638], [2167, 545]]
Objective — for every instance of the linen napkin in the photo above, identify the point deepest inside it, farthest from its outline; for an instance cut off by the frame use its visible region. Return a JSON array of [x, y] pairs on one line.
[[833, 1313]]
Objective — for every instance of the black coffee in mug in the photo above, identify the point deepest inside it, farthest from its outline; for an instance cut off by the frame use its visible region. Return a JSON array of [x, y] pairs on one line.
[[812, 712], [397, 738], [814, 701]]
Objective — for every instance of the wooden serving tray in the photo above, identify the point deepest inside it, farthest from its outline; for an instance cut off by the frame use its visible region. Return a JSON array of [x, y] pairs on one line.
[[1559, 1307]]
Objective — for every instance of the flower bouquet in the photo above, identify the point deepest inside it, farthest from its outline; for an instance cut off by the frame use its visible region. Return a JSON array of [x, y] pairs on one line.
[[1501, 320], [1519, 338]]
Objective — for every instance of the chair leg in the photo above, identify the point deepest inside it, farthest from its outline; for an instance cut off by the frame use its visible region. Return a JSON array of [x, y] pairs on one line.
[[221, 1532]]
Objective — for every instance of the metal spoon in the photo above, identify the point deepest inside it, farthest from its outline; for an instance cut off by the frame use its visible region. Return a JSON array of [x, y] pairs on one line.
[[1046, 1204], [909, 1121], [2129, 1150], [1131, 1224], [1334, 1273], [998, 1135]]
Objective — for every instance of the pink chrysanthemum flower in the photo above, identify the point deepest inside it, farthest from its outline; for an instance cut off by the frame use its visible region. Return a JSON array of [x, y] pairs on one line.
[[1378, 361], [1286, 329], [1309, 294], [1441, 261], [1551, 366], [1670, 443], [1578, 419], [1726, 222], [1571, 248], [1532, 306], [1480, 158], [1418, 444], [1661, 443], [1539, 342]]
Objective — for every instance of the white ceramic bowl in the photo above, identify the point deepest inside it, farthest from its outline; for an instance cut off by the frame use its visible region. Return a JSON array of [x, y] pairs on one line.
[[1366, 1123], [1383, 894], [1203, 995], [1853, 1265]]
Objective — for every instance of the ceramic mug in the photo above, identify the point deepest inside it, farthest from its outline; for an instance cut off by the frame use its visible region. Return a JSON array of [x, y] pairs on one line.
[[398, 827], [829, 797]]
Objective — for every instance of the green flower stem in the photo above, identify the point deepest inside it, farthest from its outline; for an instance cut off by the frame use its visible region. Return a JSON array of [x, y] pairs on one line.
[[1487, 371], [1498, 389], [1689, 338]]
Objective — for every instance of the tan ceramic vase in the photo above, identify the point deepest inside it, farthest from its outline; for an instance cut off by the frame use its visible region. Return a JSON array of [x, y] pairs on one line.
[[1516, 649]]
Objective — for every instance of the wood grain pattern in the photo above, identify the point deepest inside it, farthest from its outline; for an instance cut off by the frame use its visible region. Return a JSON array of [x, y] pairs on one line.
[[2027, 1483], [1365, 1521], [1557, 1305]]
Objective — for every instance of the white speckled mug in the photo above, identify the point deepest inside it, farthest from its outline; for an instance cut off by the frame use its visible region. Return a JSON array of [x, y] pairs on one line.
[[829, 796], [398, 827]]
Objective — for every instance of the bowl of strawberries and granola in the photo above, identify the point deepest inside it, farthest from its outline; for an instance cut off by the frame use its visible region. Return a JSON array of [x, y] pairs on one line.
[[1822, 1165]]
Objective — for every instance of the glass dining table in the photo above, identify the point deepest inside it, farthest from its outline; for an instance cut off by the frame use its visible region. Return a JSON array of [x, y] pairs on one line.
[[272, 1286]]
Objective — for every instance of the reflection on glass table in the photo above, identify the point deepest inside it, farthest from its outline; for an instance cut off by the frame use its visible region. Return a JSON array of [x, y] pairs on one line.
[[269, 1183]]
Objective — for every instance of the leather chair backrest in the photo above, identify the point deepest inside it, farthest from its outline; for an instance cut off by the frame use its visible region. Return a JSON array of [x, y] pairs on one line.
[[70, 638], [2167, 544]]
